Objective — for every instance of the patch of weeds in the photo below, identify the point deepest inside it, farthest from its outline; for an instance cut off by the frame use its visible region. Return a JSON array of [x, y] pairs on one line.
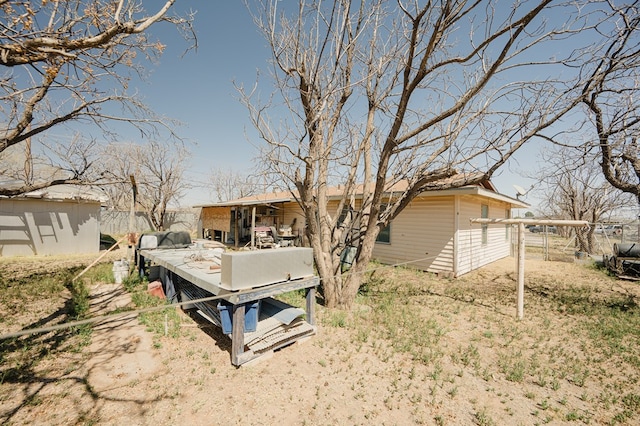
[[100, 273], [34, 400], [164, 322], [79, 299], [469, 354], [416, 398], [631, 401], [631, 404], [511, 334], [407, 331], [572, 416], [134, 283], [481, 418], [487, 374], [161, 322], [412, 373], [20, 357], [513, 368], [579, 374], [615, 330], [79, 310], [294, 298], [437, 370], [544, 405], [336, 319]]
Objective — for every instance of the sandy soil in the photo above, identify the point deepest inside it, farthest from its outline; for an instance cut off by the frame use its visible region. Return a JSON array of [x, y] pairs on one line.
[[128, 375]]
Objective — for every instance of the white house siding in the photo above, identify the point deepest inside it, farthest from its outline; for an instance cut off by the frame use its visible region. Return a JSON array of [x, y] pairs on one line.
[[472, 253], [48, 227], [423, 235]]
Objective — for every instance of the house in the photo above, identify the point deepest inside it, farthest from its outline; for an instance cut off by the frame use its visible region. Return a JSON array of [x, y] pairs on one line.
[[433, 233], [64, 219]]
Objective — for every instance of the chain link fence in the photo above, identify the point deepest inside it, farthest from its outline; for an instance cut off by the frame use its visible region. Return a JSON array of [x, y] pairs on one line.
[[569, 244]]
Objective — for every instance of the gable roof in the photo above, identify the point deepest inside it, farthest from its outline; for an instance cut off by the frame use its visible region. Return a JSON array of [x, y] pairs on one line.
[[485, 189]]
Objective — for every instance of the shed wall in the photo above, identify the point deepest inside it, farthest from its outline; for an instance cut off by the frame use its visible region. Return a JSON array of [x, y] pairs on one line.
[[218, 218], [47, 227]]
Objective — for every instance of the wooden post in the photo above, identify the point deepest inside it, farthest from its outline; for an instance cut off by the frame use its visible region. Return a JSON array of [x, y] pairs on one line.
[[237, 333], [545, 240], [236, 228], [132, 218], [521, 251], [253, 227], [311, 305]]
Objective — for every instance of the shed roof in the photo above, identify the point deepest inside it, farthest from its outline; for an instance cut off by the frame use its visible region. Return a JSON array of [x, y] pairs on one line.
[[65, 193]]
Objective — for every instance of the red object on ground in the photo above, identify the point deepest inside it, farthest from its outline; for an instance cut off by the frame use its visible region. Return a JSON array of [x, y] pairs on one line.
[[155, 288]]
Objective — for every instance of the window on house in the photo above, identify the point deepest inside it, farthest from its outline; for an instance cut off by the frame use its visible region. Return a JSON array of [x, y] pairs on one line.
[[343, 215], [384, 236], [484, 214]]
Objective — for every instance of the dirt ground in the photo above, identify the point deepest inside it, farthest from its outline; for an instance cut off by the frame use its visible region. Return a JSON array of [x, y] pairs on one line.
[[128, 375]]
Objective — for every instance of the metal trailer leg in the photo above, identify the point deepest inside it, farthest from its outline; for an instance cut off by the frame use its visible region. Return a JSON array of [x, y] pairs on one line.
[[141, 262]]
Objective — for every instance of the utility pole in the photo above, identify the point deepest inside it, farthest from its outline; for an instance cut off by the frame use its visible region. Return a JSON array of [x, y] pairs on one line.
[[132, 219], [28, 159]]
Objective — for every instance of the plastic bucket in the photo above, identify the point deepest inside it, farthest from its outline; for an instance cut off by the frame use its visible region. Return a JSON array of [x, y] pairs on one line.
[[120, 270]]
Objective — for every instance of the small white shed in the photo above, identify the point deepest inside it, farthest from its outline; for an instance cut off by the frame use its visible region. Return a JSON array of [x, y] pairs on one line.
[[58, 220]]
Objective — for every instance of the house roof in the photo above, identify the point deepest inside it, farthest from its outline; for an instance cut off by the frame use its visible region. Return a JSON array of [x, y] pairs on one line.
[[485, 189]]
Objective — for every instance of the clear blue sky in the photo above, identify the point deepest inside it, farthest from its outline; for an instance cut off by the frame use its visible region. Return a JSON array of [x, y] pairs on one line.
[[197, 89]]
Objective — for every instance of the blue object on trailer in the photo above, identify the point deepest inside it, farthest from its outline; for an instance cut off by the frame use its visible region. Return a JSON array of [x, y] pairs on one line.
[[251, 315]]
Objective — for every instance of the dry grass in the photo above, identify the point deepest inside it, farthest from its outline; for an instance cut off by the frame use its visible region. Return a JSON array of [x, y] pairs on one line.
[[416, 349], [574, 356]]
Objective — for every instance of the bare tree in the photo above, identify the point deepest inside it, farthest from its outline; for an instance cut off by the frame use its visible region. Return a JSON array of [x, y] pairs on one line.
[[380, 93], [29, 165], [612, 98], [228, 185], [158, 169], [574, 189], [59, 57]]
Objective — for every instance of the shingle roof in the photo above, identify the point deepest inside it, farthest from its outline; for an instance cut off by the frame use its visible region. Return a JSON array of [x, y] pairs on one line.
[[485, 187]]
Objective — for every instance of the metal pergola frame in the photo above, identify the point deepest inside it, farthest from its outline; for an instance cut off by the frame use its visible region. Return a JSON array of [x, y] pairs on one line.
[[521, 247]]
